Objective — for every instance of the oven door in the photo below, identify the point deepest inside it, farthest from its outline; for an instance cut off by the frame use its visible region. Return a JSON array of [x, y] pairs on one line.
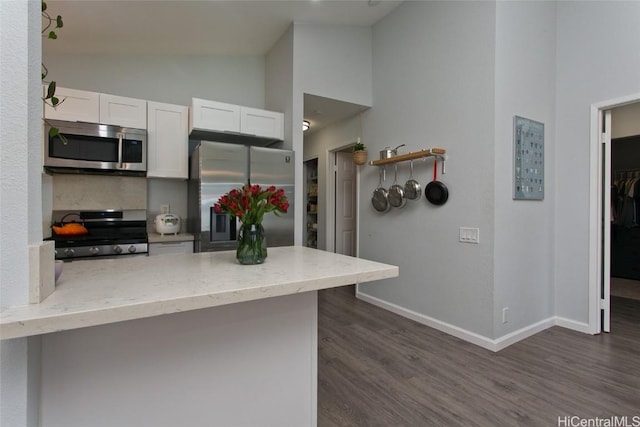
[[95, 146]]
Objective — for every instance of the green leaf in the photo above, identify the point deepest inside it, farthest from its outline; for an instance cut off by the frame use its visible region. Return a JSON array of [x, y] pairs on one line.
[[54, 132], [44, 6], [53, 35], [59, 22], [51, 90], [54, 101]]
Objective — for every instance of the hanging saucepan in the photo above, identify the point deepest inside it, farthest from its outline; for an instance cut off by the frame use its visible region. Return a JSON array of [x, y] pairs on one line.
[[379, 199], [396, 192], [412, 189], [436, 192], [389, 152]]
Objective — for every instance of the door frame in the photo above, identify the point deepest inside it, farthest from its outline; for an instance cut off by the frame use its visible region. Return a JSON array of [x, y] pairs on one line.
[[331, 199], [597, 251]]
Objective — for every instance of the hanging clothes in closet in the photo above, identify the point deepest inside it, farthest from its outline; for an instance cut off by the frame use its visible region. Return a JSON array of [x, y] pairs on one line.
[[626, 199], [625, 224]]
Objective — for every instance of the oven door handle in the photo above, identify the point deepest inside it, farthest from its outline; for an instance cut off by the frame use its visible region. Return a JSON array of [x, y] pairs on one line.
[[120, 137]]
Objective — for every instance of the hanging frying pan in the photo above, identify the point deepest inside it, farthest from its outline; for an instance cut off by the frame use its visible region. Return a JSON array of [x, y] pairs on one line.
[[379, 199], [435, 191]]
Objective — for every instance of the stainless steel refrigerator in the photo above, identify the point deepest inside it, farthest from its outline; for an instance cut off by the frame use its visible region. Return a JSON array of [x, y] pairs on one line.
[[215, 169]]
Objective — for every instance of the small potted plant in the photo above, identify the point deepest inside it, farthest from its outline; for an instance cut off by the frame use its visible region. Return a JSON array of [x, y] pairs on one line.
[[359, 153]]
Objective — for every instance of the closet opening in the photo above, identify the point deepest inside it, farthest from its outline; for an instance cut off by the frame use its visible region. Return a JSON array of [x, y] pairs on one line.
[[625, 215], [614, 232]]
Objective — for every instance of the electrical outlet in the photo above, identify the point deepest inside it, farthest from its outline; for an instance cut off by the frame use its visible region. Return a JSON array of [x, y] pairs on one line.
[[469, 235], [505, 315], [164, 209]]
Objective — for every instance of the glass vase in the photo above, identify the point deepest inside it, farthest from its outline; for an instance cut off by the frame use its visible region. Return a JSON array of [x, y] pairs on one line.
[[252, 244]]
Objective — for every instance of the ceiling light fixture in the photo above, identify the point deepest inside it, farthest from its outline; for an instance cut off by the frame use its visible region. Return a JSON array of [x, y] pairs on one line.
[[305, 125]]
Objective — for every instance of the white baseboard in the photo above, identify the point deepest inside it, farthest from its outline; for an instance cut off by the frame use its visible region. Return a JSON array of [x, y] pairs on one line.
[[573, 325], [515, 336], [482, 341], [456, 331]]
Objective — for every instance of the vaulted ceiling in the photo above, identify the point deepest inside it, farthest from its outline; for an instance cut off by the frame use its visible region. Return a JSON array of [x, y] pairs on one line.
[[206, 27]]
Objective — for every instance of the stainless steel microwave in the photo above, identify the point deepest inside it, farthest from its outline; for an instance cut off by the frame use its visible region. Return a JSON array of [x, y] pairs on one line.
[[95, 148]]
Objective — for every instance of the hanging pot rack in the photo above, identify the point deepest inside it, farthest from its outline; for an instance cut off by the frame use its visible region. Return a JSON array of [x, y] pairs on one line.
[[429, 152]]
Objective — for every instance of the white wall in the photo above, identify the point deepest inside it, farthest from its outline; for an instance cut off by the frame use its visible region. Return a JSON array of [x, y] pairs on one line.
[[173, 79], [525, 86], [334, 61], [433, 86], [279, 82], [597, 60], [20, 199]]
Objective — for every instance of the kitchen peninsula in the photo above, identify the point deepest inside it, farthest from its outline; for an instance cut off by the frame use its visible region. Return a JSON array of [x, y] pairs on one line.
[[185, 339]]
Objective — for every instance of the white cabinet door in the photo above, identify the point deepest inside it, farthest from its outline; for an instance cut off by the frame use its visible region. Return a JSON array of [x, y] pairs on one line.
[[266, 124], [123, 111], [168, 141], [76, 106], [214, 116]]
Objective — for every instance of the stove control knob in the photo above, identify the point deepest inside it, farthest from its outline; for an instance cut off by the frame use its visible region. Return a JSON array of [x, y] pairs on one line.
[[117, 249], [132, 249], [69, 252], [94, 250]]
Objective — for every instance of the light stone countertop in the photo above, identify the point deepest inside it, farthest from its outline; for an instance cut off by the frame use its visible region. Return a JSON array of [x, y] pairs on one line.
[[95, 292]]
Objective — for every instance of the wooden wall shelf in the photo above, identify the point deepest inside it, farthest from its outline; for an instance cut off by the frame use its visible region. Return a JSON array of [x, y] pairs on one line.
[[429, 152]]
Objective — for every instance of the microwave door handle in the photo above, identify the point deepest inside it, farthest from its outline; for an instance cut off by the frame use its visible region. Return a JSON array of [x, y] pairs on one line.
[[119, 151]]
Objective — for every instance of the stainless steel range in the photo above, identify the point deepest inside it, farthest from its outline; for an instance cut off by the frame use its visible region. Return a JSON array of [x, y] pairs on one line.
[[108, 233]]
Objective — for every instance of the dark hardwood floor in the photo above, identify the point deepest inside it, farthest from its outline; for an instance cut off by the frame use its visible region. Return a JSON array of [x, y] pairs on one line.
[[379, 369]]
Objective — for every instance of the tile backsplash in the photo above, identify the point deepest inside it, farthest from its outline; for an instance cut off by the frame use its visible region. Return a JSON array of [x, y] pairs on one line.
[[96, 192]]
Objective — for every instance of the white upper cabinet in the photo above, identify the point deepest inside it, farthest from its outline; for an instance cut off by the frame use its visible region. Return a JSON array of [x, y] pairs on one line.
[[75, 106], [266, 124], [85, 106], [212, 115], [234, 123], [168, 141], [123, 111]]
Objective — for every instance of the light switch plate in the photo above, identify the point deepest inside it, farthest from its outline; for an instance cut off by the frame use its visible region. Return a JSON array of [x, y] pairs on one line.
[[469, 235]]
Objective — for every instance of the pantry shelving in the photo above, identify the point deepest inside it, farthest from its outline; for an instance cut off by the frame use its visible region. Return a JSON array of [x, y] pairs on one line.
[[311, 192]]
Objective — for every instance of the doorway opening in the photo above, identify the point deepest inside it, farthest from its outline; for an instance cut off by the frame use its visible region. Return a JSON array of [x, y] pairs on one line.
[[335, 127], [603, 219], [345, 184]]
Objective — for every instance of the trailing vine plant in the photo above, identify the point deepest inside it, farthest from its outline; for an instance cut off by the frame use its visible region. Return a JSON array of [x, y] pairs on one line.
[[50, 25]]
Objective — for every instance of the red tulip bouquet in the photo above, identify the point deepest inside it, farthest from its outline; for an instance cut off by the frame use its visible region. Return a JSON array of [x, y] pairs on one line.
[[250, 203]]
